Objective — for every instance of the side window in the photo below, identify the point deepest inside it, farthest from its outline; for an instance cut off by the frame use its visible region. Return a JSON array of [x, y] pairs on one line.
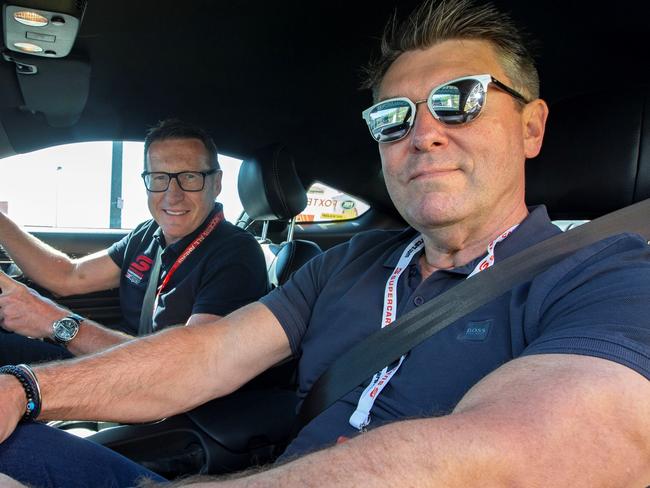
[[89, 185], [325, 204]]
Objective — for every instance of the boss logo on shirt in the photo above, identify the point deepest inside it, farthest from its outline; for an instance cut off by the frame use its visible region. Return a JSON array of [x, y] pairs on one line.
[[476, 331], [138, 268]]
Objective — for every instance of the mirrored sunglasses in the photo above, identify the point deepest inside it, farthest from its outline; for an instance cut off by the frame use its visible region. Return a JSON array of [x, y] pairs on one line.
[[455, 102]]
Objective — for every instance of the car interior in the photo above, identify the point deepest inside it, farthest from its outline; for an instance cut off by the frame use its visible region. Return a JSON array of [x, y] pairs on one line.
[[277, 86]]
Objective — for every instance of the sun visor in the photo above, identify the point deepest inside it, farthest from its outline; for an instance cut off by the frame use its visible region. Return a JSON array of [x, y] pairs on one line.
[[58, 88], [10, 95], [6, 149]]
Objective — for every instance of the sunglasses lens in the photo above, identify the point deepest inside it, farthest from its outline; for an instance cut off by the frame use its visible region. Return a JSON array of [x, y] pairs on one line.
[[458, 102], [390, 121]]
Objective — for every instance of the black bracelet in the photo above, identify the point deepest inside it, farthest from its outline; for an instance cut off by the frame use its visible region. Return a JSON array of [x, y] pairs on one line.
[[36, 407], [28, 380]]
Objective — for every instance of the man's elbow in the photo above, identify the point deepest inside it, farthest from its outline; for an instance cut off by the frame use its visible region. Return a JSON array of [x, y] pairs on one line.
[[565, 447]]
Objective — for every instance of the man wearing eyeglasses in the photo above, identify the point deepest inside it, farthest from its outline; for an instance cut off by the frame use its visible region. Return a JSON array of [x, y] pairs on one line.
[[203, 266], [545, 386]]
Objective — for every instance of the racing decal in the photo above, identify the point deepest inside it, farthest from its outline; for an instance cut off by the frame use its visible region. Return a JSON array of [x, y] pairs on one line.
[[138, 268]]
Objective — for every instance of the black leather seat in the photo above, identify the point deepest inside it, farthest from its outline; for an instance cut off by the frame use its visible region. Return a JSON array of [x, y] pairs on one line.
[[271, 190], [596, 155]]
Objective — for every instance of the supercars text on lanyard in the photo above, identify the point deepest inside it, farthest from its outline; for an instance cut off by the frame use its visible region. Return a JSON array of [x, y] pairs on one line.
[[361, 416], [216, 220]]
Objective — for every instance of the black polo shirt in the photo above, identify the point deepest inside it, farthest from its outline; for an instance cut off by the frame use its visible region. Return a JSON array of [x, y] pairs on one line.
[[595, 302], [226, 271]]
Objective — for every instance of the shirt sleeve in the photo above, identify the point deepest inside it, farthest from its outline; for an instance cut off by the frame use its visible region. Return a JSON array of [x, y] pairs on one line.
[[599, 306], [293, 302], [117, 251]]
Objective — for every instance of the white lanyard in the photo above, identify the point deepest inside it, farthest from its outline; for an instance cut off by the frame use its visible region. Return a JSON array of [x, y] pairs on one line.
[[361, 416]]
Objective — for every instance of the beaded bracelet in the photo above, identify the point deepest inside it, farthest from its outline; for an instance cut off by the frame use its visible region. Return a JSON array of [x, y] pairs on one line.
[[28, 380], [36, 387]]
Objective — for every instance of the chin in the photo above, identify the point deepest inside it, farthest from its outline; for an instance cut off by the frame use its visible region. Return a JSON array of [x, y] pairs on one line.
[[435, 213]]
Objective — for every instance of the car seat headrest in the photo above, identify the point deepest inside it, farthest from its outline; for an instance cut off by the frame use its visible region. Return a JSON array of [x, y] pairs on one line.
[[269, 187], [595, 157]]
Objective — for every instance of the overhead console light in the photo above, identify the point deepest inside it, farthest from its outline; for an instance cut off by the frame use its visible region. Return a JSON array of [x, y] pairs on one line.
[[28, 47], [32, 19], [50, 33]]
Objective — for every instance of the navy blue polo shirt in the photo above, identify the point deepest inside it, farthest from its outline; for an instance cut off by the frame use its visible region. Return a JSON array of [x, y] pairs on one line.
[[596, 302], [225, 272]]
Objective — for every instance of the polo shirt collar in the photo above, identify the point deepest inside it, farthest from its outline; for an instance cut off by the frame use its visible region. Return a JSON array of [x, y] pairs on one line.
[[179, 246], [536, 227]]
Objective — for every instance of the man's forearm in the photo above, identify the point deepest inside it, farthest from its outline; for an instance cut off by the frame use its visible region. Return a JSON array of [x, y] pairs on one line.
[[165, 373], [142, 380], [418, 453], [93, 337], [40, 262], [547, 420], [451, 451]]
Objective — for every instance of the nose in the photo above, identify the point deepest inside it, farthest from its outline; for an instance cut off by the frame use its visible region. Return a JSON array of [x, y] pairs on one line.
[[174, 192], [427, 131]]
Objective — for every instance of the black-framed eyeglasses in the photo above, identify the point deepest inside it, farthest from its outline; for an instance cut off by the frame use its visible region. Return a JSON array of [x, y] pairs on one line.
[[455, 102], [158, 181]]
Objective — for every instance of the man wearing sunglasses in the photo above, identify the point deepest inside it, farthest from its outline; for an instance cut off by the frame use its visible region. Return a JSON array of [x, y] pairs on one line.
[[545, 386], [206, 268]]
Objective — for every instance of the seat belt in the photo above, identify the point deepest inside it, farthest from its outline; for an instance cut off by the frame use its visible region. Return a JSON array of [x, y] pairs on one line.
[[388, 344], [146, 313]]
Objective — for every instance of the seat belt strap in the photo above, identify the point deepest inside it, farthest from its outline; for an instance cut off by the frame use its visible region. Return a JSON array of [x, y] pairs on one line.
[[386, 345], [146, 313]]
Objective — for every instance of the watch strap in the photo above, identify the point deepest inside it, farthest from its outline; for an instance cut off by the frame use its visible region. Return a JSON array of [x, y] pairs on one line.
[[76, 317]]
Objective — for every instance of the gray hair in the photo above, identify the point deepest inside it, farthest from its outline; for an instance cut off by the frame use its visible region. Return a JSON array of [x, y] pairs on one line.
[[437, 21]]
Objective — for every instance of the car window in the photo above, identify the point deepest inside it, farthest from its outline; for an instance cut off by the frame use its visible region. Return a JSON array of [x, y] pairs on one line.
[[83, 186], [325, 204]]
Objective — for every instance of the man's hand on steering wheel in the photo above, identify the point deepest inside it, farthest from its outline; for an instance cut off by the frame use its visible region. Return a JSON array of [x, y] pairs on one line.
[[24, 311]]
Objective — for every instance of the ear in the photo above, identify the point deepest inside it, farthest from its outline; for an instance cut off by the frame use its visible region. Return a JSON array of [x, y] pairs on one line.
[[217, 183], [534, 122]]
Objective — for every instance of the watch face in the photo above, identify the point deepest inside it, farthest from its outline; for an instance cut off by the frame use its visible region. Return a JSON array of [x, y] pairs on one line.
[[66, 329]]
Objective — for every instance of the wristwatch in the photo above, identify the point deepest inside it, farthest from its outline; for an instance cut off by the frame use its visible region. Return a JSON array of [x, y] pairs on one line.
[[66, 329]]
